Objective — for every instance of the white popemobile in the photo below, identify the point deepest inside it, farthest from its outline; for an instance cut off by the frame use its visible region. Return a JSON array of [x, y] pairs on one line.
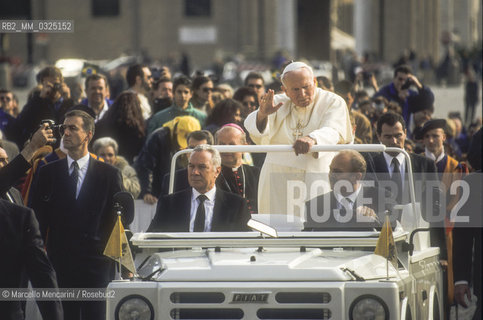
[[280, 272]]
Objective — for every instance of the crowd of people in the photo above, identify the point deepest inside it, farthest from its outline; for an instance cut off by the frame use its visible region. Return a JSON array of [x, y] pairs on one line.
[[100, 144]]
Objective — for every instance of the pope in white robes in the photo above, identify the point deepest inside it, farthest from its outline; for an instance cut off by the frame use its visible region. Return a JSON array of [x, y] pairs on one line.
[[302, 116]]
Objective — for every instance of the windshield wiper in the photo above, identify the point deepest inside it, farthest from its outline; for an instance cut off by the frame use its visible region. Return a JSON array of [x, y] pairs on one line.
[[353, 274]]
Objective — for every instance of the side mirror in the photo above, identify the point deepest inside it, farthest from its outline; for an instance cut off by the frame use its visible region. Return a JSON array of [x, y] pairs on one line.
[[124, 203]]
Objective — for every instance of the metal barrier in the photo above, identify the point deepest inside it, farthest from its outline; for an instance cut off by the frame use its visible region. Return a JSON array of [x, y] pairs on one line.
[[315, 148]]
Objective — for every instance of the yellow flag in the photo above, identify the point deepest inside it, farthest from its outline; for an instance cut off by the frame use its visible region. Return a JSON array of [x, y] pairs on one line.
[[385, 244], [118, 247]]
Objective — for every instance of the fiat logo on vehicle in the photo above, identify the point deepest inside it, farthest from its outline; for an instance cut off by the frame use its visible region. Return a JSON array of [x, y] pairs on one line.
[[250, 298]]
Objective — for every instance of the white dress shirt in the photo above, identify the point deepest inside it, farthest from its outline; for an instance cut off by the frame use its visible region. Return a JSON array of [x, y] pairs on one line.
[[83, 165], [431, 155], [209, 205], [352, 197]]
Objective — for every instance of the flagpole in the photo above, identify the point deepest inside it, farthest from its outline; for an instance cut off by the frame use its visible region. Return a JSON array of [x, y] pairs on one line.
[[387, 237], [387, 269], [120, 240]]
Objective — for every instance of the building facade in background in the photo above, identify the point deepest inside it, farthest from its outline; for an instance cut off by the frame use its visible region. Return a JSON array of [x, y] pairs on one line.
[[206, 30]]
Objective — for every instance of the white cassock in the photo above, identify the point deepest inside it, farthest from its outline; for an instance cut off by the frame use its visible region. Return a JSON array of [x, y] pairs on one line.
[[280, 188]]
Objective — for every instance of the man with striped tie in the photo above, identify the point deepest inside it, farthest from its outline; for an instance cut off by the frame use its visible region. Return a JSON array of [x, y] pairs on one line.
[[73, 201], [203, 207]]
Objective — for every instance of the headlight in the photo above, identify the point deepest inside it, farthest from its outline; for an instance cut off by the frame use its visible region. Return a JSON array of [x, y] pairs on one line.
[[368, 307], [134, 307]]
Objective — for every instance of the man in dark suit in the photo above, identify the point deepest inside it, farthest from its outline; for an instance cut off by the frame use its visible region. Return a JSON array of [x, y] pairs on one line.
[[467, 236], [23, 249], [73, 200], [352, 204], [236, 177], [467, 246], [203, 207], [391, 166]]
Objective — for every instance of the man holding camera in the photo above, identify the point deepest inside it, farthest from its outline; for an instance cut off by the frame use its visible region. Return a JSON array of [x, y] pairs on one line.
[[51, 101], [399, 90], [73, 201]]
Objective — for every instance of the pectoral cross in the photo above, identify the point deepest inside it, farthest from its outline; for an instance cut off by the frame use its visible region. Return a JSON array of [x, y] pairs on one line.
[[298, 131]]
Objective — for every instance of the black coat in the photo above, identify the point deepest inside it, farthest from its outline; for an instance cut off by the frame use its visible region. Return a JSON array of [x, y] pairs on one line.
[[129, 140], [223, 182], [13, 171], [467, 237], [14, 194], [23, 249], [173, 213], [315, 210], [424, 171], [154, 161], [426, 191], [77, 230], [226, 181]]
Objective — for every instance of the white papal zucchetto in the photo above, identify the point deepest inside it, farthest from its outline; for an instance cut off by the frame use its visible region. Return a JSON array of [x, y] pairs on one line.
[[295, 66]]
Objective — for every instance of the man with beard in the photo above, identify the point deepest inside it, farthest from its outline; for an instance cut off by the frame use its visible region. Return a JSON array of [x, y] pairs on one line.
[[140, 81]]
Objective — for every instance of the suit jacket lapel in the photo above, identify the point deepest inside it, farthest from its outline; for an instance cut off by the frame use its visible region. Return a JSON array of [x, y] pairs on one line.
[[185, 208], [218, 210], [380, 163]]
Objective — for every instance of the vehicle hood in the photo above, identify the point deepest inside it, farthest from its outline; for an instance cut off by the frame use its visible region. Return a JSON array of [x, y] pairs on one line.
[[266, 265]]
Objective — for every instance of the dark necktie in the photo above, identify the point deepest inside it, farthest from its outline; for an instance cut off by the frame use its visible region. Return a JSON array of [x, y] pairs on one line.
[[396, 177], [75, 175], [200, 214]]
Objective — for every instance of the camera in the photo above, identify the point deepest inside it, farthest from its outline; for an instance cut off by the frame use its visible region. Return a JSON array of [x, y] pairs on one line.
[[406, 84], [56, 128]]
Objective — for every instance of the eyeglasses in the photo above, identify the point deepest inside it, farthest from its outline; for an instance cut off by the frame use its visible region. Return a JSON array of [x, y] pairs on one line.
[[207, 89], [258, 86], [5, 98]]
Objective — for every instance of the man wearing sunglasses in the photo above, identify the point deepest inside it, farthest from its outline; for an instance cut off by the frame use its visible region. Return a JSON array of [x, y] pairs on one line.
[[254, 81]]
